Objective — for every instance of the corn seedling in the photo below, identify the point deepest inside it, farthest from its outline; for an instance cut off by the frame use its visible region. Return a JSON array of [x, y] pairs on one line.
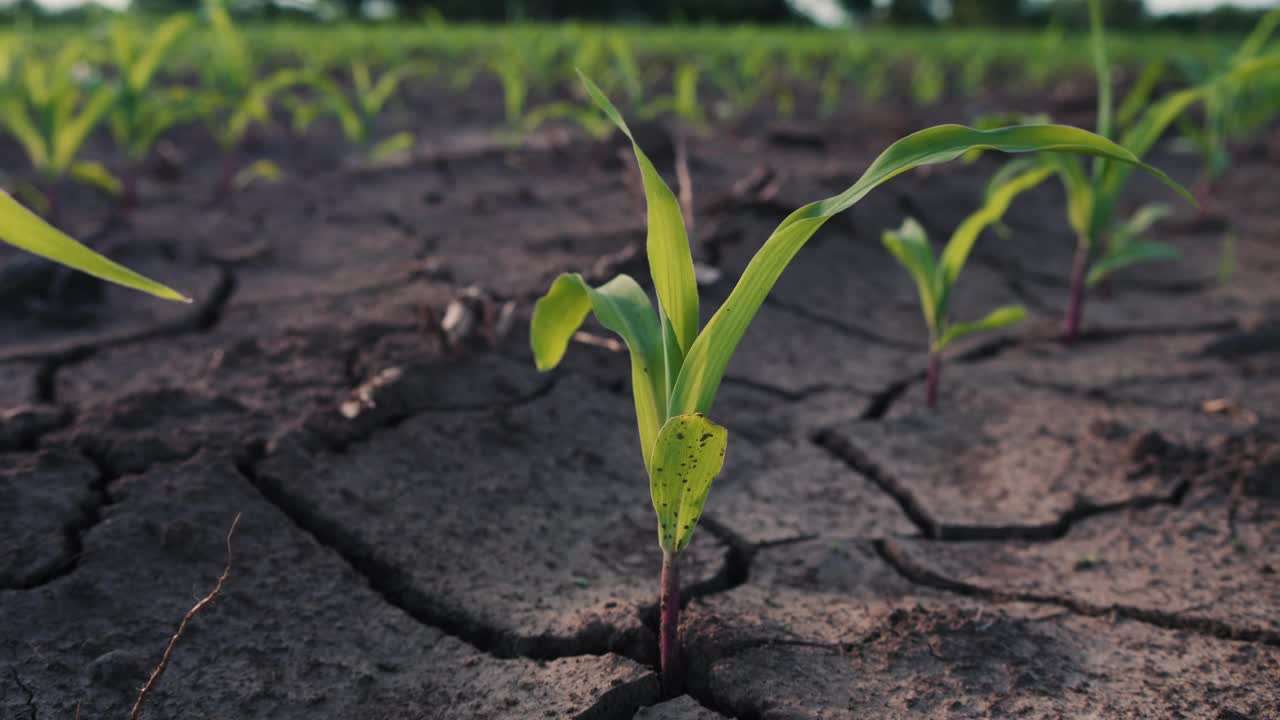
[[1093, 194], [358, 113], [235, 98], [683, 100], [51, 107], [1223, 119], [928, 81], [935, 277], [25, 230], [676, 368], [142, 112]]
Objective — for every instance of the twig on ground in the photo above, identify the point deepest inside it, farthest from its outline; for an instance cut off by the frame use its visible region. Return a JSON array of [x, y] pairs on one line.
[[136, 713]]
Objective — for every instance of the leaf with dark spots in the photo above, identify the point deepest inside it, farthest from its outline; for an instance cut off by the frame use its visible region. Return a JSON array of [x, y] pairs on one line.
[[679, 494]]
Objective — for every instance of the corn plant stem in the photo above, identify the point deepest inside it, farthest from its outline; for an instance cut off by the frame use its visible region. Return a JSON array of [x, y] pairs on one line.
[[1075, 304], [52, 204], [228, 172], [669, 625], [933, 375], [129, 188], [1206, 195]]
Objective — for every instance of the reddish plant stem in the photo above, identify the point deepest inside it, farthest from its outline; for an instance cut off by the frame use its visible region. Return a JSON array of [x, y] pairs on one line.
[[228, 173], [52, 204], [129, 191], [1075, 305], [669, 626], [933, 375]]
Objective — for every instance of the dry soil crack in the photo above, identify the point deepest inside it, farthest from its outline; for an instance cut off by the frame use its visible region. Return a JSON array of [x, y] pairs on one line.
[[854, 458], [904, 566]]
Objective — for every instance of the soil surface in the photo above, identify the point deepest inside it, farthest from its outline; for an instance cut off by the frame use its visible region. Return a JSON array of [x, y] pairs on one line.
[[429, 528]]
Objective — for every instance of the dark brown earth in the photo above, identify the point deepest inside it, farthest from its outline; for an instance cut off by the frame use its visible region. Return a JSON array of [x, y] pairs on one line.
[[432, 529]]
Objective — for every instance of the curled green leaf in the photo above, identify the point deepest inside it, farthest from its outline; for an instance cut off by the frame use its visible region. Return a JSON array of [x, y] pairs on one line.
[[622, 307]]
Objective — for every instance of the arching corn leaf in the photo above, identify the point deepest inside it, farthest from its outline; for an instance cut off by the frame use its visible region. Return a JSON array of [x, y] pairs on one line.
[[162, 38], [705, 363], [670, 260], [994, 320], [1139, 139], [621, 306], [688, 455], [22, 228], [98, 176]]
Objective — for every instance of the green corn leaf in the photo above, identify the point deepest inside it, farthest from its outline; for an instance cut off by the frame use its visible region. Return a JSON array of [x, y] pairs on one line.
[[1140, 95], [1144, 218], [705, 363], [1131, 253], [120, 35], [588, 119], [998, 201], [625, 63], [360, 79], [396, 144], [1011, 169], [1139, 139], [910, 246], [996, 319], [386, 85], [232, 59], [263, 170], [1102, 68], [96, 175], [515, 88], [302, 113], [352, 121], [670, 260], [162, 38], [18, 122], [253, 106], [1259, 36], [686, 94], [687, 457], [621, 306], [71, 135], [1081, 195], [22, 228]]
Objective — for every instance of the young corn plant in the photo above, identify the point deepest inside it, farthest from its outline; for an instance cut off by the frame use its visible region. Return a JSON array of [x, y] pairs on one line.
[[234, 97], [50, 107], [1223, 104], [677, 367], [25, 230], [935, 277], [358, 114], [142, 111], [1103, 240]]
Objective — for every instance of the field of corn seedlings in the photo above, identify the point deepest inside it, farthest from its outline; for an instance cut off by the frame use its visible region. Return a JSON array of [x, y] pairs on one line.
[[603, 372]]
